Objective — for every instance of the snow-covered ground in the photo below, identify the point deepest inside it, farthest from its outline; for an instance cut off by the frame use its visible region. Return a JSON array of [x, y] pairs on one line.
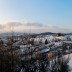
[[70, 63]]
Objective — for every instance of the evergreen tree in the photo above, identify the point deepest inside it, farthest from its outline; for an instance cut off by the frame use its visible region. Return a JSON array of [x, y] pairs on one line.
[[46, 42]]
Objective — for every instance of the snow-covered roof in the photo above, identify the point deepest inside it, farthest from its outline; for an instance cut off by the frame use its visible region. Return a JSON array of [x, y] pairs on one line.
[[58, 37], [68, 42]]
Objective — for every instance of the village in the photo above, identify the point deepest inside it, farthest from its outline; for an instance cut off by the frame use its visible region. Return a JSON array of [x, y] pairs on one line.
[[31, 53]]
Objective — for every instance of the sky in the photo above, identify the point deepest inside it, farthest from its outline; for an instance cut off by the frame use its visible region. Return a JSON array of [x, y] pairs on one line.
[[53, 14]]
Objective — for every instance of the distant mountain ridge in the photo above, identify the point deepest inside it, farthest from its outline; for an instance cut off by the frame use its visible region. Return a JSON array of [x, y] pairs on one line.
[[45, 33], [70, 33], [22, 33]]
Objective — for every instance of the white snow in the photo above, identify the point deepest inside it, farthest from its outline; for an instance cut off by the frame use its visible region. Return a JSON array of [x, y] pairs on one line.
[[70, 63]]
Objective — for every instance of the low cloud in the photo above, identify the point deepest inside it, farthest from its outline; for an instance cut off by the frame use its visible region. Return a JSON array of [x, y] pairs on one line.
[[30, 27], [33, 24]]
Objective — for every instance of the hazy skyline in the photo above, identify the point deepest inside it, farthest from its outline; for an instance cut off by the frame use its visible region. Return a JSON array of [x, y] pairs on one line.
[[52, 14]]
